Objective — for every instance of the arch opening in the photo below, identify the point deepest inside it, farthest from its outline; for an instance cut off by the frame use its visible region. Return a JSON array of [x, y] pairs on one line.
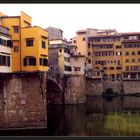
[[55, 94]]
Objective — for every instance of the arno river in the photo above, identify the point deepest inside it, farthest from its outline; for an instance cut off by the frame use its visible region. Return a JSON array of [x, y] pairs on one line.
[[98, 117]]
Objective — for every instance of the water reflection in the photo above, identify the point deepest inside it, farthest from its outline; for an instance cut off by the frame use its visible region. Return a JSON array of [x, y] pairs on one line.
[[99, 117], [119, 116]]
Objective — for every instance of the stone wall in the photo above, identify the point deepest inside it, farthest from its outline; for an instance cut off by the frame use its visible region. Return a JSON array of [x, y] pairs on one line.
[[75, 90], [25, 102], [93, 87], [116, 86], [131, 87], [131, 102], [1, 103]]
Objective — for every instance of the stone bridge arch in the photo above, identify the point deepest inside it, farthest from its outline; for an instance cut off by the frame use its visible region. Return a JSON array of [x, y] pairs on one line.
[[55, 90]]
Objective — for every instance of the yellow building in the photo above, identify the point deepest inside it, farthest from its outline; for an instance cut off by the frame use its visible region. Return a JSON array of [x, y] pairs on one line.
[[131, 55], [118, 55], [30, 44], [81, 40]]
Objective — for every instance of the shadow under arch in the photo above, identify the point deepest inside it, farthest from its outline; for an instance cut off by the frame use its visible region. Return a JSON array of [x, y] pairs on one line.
[[55, 94]]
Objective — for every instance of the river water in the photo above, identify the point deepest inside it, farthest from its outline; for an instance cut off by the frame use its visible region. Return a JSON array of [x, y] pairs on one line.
[[118, 116]]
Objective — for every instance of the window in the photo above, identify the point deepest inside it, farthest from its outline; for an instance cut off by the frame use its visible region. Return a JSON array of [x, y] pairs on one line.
[[133, 37], [29, 42], [118, 62], [111, 68], [89, 61], [66, 50], [118, 46], [125, 37], [29, 61], [138, 52], [127, 60], [44, 44], [77, 68], [133, 60], [74, 41], [118, 53], [67, 59], [60, 50], [41, 61], [127, 53], [88, 53], [138, 59], [67, 68], [4, 42], [104, 68], [118, 68], [84, 39], [97, 53], [9, 43], [16, 29], [45, 62], [133, 53], [127, 68], [4, 60], [15, 48]]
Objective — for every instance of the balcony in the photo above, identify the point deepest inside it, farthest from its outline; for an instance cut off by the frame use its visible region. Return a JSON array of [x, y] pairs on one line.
[[130, 40], [131, 76]]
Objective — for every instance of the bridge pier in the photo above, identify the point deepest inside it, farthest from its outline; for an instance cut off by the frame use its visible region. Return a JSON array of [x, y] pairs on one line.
[[75, 90], [23, 101]]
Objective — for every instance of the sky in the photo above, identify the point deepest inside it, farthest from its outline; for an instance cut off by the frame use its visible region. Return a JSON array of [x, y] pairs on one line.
[[73, 17]]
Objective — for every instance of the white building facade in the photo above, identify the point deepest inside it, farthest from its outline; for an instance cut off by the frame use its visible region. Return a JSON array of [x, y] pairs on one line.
[[5, 51]]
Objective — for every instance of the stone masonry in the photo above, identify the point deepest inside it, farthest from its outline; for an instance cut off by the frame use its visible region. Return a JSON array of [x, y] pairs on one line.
[[23, 102], [75, 90]]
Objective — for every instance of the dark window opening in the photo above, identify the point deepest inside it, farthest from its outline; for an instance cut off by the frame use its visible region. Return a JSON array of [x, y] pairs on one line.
[[67, 68], [9, 43], [118, 68], [31, 61], [84, 39], [44, 44], [77, 68], [29, 42], [15, 48], [4, 60], [127, 53], [89, 61], [41, 61], [133, 53], [60, 50], [89, 53], [16, 29], [45, 62]]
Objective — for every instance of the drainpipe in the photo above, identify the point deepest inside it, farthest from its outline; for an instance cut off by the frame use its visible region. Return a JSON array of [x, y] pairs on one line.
[[20, 46]]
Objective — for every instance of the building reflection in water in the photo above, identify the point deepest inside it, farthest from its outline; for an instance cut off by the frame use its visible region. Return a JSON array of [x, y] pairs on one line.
[[98, 117]]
